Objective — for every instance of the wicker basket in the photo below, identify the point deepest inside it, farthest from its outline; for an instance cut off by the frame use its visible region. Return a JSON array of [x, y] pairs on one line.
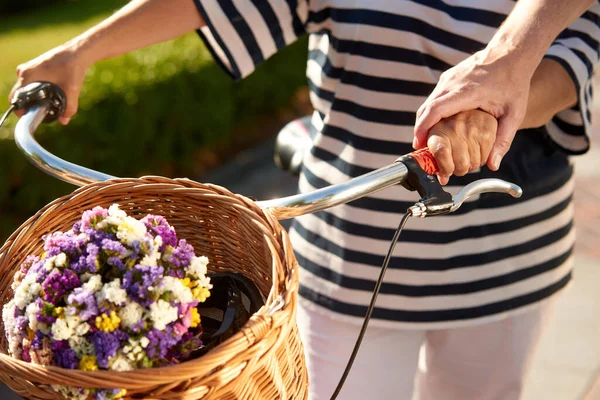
[[262, 361]]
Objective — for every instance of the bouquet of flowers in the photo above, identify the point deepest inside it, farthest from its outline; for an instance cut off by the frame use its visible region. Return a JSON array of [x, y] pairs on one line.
[[112, 293]]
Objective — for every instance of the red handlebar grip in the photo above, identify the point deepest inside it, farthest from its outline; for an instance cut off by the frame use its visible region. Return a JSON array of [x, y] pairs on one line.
[[425, 160]]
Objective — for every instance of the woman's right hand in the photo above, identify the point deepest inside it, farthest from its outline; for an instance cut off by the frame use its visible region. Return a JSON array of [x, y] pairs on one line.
[[62, 66]]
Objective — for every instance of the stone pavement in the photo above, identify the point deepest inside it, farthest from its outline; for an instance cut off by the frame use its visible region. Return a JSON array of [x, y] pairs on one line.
[[567, 366]]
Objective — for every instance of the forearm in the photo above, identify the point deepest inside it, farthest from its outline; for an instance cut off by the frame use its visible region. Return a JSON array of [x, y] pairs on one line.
[[139, 24], [552, 90], [530, 29]]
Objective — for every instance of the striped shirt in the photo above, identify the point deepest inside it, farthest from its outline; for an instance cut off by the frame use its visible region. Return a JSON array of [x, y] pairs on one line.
[[371, 64]]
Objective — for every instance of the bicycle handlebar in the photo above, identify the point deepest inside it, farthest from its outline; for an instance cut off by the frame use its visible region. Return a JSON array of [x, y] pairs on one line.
[[402, 171]]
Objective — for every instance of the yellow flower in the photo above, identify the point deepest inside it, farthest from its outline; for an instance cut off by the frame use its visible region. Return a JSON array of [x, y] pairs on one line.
[[187, 282], [200, 293], [88, 363], [108, 323], [121, 394], [195, 318], [60, 312]]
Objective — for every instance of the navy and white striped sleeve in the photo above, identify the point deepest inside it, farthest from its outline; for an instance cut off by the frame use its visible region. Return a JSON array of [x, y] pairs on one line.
[[242, 33], [577, 50]]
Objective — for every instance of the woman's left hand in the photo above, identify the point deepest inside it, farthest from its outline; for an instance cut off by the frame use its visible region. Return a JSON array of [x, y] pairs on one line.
[[462, 143]]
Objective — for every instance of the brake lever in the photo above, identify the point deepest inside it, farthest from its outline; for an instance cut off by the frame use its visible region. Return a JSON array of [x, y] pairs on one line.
[[436, 201]]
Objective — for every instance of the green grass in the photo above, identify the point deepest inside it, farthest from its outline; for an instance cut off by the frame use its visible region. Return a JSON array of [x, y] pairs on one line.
[[23, 37], [165, 110]]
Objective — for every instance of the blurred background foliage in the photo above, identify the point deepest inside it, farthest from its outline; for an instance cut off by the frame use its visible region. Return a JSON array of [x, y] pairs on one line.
[[166, 110]]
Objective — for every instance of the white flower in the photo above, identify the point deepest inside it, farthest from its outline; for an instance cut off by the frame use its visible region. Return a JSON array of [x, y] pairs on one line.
[[64, 328], [27, 291], [112, 292], [115, 211], [60, 260], [134, 351], [162, 314], [131, 230], [115, 217], [121, 363], [81, 346], [154, 255], [182, 293], [93, 284], [60, 330], [130, 314], [144, 342], [198, 269], [69, 392], [82, 329], [14, 336], [32, 312]]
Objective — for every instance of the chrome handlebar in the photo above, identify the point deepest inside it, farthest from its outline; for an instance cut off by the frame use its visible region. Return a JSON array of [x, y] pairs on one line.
[[281, 208]]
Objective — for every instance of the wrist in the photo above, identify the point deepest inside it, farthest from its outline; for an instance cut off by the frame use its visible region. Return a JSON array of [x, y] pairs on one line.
[[505, 50]]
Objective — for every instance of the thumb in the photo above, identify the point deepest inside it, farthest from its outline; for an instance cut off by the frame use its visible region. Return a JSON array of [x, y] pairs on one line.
[[507, 128]]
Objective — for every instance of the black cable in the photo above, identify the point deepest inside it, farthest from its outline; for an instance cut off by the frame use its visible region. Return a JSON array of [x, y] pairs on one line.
[[6, 114], [384, 266]]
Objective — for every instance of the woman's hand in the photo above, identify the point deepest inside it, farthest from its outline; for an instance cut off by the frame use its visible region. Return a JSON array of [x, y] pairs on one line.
[[462, 143], [62, 66], [489, 81]]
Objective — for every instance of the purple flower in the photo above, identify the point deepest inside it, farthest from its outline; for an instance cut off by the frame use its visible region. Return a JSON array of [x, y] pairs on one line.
[[57, 284], [46, 313], [28, 263], [106, 394], [136, 282], [187, 344], [113, 247], [87, 259], [37, 342], [64, 356], [83, 302], [106, 345], [91, 217], [182, 254], [59, 242], [159, 226], [161, 342], [25, 354]]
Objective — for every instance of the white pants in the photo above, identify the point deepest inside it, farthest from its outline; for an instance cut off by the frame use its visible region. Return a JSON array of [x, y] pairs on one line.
[[483, 362]]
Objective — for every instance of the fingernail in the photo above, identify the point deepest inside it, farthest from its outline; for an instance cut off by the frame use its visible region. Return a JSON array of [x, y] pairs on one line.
[[496, 160], [415, 143]]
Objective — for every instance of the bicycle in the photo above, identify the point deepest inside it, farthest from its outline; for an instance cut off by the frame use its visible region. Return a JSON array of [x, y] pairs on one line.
[[416, 171]]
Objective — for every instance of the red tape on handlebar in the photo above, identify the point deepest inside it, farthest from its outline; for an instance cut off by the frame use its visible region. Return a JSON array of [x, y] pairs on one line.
[[425, 160]]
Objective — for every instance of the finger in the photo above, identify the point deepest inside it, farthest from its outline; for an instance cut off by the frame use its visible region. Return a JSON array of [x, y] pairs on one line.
[[461, 157], [487, 141], [474, 148], [435, 110], [507, 128], [441, 150], [72, 100]]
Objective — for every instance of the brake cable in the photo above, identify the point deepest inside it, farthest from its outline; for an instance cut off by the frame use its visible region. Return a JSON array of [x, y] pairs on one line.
[[6, 114], [363, 329], [434, 201]]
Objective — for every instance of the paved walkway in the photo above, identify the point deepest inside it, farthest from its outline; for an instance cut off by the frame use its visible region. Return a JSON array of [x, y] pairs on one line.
[[568, 364]]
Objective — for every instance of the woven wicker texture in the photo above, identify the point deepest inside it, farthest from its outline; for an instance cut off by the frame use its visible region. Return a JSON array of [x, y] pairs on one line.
[[262, 361]]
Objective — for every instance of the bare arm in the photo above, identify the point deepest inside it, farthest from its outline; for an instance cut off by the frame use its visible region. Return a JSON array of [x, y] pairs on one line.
[[139, 24], [497, 79], [552, 90]]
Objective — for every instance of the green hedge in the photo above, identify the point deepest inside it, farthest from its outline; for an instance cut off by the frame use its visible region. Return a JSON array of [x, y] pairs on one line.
[[19, 6], [150, 112]]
